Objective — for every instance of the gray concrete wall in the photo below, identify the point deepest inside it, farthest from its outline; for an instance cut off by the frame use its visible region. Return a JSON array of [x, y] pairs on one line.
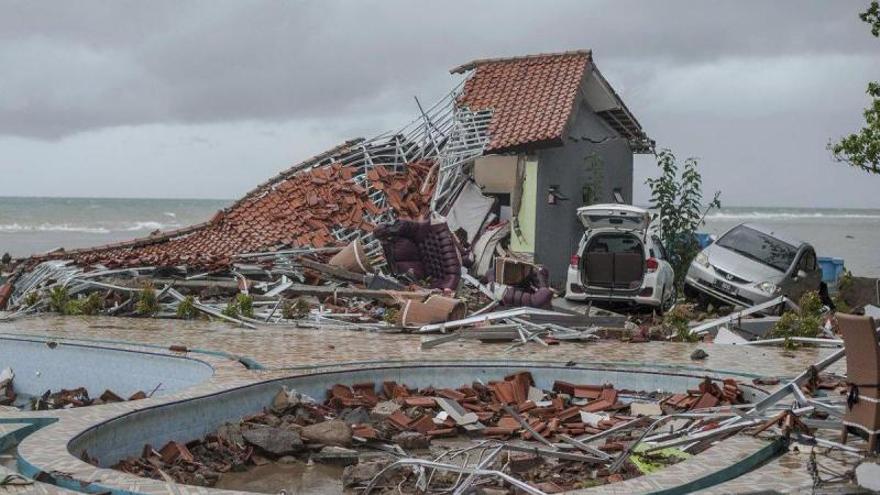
[[592, 155]]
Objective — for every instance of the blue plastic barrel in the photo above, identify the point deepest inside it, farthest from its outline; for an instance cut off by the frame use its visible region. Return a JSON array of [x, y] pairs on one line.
[[703, 239], [832, 269]]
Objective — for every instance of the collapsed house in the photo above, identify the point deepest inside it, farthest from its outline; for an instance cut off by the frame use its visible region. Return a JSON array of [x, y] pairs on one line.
[[560, 138], [504, 160]]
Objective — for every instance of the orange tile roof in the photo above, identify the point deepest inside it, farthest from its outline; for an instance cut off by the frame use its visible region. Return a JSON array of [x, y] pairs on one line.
[[532, 97], [295, 210]]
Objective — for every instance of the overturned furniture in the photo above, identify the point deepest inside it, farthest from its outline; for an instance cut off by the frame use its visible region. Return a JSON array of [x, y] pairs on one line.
[[863, 377], [423, 250]]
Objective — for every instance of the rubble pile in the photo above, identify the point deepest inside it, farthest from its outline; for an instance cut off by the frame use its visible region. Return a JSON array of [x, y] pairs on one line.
[[7, 390], [571, 436], [302, 211], [62, 399], [78, 397]]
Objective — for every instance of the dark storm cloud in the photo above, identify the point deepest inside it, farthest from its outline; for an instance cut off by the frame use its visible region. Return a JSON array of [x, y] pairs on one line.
[[72, 67]]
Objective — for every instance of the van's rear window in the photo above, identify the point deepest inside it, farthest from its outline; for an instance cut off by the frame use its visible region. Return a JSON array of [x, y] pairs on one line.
[[615, 220]]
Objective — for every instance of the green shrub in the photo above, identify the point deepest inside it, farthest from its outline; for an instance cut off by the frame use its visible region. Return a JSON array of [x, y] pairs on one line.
[[74, 307], [245, 305], [242, 305], [32, 297], [295, 310], [806, 322], [91, 304], [148, 301], [391, 315], [58, 298], [231, 309], [676, 322], [187, 308]]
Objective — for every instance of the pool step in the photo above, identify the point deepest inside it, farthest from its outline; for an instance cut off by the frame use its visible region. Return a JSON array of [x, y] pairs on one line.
[[12, 482], [12, 433], [16, 483]]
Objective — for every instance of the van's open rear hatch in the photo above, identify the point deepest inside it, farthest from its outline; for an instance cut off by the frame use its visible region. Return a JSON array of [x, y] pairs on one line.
[[611, 216], [613, 261]]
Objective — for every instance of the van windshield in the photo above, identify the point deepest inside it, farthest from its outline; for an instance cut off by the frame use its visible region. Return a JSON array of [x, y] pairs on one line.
[[760, 247]]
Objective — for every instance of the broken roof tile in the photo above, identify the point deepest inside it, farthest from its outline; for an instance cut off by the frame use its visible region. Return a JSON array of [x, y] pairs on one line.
[[290, 211]]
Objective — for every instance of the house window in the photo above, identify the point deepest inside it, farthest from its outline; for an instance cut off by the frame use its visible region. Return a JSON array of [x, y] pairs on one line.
[[618, 196]]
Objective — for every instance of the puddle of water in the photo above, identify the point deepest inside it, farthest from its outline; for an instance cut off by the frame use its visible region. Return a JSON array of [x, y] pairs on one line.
[[297, 478]]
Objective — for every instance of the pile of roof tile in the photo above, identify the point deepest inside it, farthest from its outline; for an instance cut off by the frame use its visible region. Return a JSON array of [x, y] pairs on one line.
[[78, 397], [350, 426], [297, 211], [707, 395]]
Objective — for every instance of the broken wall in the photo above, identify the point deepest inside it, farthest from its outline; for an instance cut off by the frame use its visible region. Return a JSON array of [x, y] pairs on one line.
[[591, 164]]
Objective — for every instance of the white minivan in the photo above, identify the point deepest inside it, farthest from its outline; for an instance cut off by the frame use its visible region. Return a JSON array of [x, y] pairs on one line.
[[619, 259]]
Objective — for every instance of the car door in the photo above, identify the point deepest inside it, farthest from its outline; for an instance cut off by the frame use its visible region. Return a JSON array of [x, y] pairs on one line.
[[807, 275]]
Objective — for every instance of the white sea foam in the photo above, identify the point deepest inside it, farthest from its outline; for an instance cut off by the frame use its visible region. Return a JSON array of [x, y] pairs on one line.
[[88, 229], [149, 226], [50, 227], [785, 215]]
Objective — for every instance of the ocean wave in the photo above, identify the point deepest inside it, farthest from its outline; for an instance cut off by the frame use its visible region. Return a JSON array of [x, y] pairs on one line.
[[150, 226], [50, 227], [89, 229], [782, 215]]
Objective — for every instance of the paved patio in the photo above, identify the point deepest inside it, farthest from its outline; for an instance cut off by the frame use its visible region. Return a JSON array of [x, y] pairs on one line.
[[281, 351]]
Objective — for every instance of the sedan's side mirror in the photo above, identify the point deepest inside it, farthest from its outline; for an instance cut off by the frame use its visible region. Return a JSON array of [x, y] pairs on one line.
[[800, 274]]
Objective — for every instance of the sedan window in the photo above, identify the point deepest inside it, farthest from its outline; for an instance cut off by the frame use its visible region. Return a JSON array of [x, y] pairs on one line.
[[759, 247], [808, 261]]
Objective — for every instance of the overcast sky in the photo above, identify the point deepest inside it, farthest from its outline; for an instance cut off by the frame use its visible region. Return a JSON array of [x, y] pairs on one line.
[[208, 98]]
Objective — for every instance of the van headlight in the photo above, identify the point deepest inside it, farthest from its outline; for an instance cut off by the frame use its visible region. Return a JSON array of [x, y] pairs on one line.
[[702, 259], [769, 288]]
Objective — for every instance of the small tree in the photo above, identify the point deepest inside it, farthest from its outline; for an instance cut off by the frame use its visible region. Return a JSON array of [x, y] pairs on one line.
[[806, 322], [862, 149], [678, 198]]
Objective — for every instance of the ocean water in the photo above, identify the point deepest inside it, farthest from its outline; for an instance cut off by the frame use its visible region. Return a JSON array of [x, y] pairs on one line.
[[853, 235], [35, 225]]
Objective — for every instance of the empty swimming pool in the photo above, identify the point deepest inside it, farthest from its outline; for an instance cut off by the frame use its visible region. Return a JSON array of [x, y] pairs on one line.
[[42, 365]]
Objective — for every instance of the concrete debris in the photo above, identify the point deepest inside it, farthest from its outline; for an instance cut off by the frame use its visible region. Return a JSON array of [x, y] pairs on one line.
[[728, 337], [361, 473], [645, 409], [868, 476], [7, 390], [334, 432], [699, 355], [275, 441]]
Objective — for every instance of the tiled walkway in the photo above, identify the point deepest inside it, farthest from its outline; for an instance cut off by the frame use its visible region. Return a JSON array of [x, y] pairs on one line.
[[280, 350], [277, 348]]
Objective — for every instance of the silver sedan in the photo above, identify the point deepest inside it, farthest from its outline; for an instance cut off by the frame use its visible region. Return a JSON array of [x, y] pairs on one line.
[[750, 264]]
